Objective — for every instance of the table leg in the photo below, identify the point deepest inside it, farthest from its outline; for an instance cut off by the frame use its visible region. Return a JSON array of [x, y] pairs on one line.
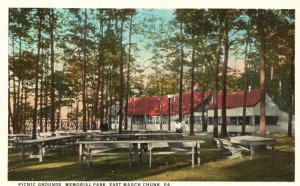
[[89, 155], [69, 142], [43, 151], [193, 156], [80, 154], [17, 141], [140, 151], [40, 152], [130, 155], [23, 153], [252, 152], [273, 150], [198, 154], [150, 157]]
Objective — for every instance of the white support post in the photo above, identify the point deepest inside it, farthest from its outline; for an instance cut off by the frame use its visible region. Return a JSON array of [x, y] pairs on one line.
[[80, 153], [41, 149]]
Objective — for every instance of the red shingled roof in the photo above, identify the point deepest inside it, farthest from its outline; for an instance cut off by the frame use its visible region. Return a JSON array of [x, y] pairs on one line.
[[236, 99], [152, 106]]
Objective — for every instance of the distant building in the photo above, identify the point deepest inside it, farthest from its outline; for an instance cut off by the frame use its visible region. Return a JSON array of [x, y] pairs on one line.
[[149, 112], [276, 119], [155, 110]]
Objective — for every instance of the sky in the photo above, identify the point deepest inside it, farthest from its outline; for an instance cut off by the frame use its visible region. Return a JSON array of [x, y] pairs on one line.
[[166, 15]]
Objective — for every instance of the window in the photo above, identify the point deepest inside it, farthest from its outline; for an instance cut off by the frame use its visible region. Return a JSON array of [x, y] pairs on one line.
[[210, 120], [165, 120], [270, 120], [138, 119], [241, 120], [197, 120], [233, 121]]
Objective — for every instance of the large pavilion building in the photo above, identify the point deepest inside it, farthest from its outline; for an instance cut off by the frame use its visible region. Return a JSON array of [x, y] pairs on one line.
[[152, 113], [276, 119], [155, 111]]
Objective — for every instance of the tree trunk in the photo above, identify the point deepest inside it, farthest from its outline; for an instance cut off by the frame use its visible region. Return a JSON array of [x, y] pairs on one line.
[[181, 74], [41, 95], [246, 84], [102, 95], [18, 115], [121, 96], [224, 83], [204, 124], [87, 107], [22, 110], [46, 96], [106, 99], [59, 110], [25, 108], [77, 112], [10, 116], [84, 74], [192, 90], [52, 86], [110, 100], [96, 95], [292, 93], [161, 106], [14, 105], [128, 75], [36, 90], [9, 106], [216, 82], [115, 92], [261, 33]]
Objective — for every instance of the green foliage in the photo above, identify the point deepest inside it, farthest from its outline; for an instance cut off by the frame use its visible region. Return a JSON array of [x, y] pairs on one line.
[[73, 115], [23, 69], [158, 75]]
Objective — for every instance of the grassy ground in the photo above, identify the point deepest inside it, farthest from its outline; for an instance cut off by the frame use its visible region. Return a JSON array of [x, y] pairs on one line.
[[214, 166]]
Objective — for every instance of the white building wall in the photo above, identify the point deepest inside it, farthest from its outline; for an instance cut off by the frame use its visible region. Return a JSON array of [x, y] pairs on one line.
[[233, 112], [271, 110], [156, 127]]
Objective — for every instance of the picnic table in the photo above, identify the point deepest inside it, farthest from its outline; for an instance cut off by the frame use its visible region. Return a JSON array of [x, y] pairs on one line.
[[13, 139], [159, 136], [134, 131], [137, 136], [143, 131], [140, 147], [42, 144], [253, 141]]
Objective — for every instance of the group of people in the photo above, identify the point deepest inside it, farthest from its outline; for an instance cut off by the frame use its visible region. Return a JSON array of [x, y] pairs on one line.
[[103, 125]]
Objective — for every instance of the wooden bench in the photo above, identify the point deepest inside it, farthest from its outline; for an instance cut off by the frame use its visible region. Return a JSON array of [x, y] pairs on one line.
[[14, 139], [230, 150], [232, 133], [252, 141], [175, 147], [88, 149], [41, 145], [45, 134]]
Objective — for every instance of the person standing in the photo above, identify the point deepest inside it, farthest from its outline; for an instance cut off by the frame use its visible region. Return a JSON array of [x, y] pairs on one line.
[[178, 126]]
